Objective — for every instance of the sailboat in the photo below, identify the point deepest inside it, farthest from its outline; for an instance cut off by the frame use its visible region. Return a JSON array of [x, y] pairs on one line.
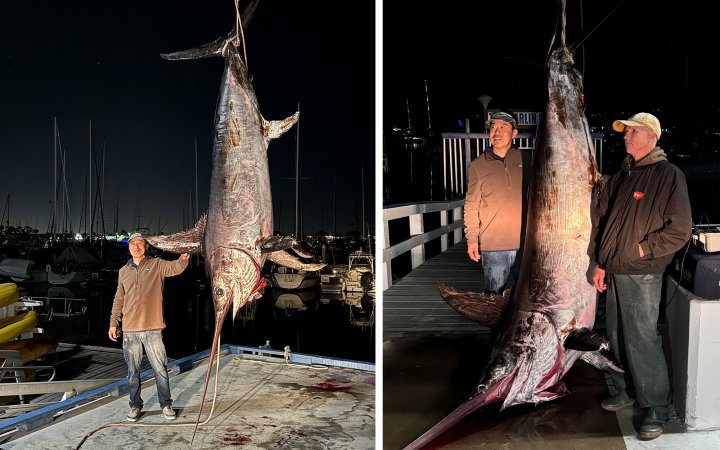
[[360, 273], [283, 277]]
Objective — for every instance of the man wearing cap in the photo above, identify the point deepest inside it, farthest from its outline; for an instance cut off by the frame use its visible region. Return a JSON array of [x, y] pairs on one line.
[[495, 204], [138, 305], [643, 218]]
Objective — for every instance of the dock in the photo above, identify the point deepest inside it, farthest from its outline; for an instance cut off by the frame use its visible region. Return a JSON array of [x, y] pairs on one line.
[[414, 304], [433, 358], [265, 399]]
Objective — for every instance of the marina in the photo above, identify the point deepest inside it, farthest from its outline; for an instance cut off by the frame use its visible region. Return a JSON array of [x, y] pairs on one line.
[[68, 349]]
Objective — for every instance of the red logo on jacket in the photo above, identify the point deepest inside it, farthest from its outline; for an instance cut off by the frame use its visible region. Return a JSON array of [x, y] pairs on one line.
[[638, 195]]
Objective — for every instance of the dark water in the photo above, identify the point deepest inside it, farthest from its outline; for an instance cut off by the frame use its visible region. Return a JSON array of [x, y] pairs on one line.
[[308, 321]]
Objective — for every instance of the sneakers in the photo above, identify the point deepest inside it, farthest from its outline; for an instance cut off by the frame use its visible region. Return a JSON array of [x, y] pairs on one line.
[[617, 402], [169, 413], [652, 426], [133, 415]]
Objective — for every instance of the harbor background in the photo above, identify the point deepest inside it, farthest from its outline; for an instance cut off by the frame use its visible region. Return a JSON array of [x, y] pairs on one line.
[[309, 321]]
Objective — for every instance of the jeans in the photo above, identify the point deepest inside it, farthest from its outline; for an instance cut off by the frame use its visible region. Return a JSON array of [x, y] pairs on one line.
[[133, 343], [500, 268], [632, 310]]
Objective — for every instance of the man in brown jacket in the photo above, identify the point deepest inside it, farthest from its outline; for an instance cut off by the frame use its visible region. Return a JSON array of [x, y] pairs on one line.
[[138, 305], [495, 204]]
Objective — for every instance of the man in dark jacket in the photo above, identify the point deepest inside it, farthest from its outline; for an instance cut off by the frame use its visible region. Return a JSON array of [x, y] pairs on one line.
[[644, 218]]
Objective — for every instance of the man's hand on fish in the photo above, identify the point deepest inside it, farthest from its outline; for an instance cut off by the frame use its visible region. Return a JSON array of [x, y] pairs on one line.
[[599, 279], [474, 252]]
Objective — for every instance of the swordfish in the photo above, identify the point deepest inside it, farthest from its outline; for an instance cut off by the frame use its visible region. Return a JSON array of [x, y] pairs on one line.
[[547, 318], [235, 236]]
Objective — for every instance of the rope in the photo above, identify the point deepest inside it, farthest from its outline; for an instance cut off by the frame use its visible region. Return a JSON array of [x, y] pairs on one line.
[[149, 425], [564, 21], [286, 363], [240, 32]]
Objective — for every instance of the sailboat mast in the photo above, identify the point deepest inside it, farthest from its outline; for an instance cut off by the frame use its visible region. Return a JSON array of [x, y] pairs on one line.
[[362, 197], [297, 176], [55, 133], [427, 102], [407, 106], [91, 211], [197, 205]]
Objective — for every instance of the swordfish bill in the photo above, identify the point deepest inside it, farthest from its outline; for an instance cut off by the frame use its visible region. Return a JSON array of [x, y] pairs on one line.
[[548, 322]]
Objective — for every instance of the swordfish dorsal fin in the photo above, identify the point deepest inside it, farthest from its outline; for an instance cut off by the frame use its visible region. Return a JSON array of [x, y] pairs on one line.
[[485, 309], [284, 258], [188, 241], [275, 128]]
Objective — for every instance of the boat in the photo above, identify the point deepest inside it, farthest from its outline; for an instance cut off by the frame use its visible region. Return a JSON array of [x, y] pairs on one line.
[[14, 358], [31, 348], [9, 294], [59, 313], [294, 301], [17, 269], [74, 265], [360, 274], [285, 278], [331, 279], [13, 326], [362, 308]]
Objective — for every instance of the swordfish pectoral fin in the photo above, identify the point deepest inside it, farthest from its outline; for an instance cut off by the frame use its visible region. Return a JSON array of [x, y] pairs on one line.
[[188, 241], [276, 243], [275, 128], [596, 347], [483, 308], [284, 258], [602, 360]]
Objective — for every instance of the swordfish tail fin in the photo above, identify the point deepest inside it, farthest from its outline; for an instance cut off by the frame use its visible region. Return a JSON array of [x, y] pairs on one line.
[[215, 47], [484, 308]]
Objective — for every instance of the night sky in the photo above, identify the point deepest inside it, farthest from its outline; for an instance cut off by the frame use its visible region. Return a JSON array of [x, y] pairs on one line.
[[661, 57], [85, 61], [646, 55]]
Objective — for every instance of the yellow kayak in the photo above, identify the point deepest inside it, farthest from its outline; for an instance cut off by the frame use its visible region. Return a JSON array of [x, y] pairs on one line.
[[12, 327], [31, 348], [9, 294]]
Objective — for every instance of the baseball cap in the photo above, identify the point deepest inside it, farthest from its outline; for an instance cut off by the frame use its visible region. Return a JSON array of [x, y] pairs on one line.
[[640, 120], [505, 117], [136, 235]]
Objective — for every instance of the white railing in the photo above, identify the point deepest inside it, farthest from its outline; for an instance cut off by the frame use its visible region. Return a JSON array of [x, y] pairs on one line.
[[451, 223], [461, 148]]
